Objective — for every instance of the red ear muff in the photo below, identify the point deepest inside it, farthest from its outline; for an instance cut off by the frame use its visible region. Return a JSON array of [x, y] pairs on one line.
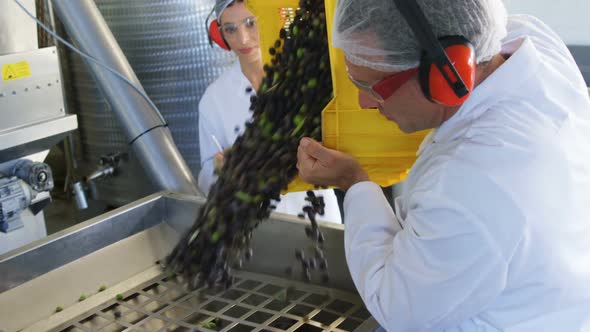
[[216, 36], [434, 85]]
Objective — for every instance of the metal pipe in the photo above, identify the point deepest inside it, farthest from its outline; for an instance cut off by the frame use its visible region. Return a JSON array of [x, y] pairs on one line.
[[144, 127], [79, 195], [103, 172]]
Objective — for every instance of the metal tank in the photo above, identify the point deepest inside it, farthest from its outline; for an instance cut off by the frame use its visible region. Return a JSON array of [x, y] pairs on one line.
[[166, 43]]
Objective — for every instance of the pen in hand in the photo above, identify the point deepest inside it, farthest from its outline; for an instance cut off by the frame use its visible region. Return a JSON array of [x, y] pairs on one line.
[[216, 141]]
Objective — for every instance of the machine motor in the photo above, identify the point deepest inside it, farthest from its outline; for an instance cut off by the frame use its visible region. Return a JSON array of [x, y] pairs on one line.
[[18, 191]]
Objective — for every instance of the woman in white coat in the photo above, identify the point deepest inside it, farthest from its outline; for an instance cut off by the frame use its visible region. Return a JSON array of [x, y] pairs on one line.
[[224, 108]]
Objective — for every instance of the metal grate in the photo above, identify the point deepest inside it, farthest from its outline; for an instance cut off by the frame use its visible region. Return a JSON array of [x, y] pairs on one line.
[[255, 303]]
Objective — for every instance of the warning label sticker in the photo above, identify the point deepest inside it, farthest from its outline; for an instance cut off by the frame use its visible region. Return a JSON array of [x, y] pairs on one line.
[[15, 71]]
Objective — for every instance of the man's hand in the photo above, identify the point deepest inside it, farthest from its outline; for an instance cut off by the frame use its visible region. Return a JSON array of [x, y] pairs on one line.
[[322, 166]]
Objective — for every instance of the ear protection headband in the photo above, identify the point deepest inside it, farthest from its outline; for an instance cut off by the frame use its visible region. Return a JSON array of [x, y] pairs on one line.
[[214, 33], [447, 65]]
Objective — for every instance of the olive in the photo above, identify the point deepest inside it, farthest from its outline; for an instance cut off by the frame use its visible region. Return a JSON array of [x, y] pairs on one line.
[[249, 254], [299, 254], [312, 263], [296, 86], [323, 264], [309, 232], [307, 275]]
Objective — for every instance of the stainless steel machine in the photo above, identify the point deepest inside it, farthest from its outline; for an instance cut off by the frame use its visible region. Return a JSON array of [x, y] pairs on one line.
[[104, 275], [33, 119], [166, 44]]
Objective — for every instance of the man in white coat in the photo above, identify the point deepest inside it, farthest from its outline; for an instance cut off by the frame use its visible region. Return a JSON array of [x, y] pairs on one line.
[[492, 229], [224, 107]]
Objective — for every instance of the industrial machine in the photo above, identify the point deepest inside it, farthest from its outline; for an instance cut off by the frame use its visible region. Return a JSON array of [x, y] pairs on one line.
[[165, 43], [105, 275], [33, 119]]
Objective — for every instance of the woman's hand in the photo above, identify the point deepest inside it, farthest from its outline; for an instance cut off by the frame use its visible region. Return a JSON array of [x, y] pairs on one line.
[[219, 160]]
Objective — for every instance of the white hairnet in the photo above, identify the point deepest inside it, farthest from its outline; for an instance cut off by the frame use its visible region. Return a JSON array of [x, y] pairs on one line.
[[372, 33], [220, 6]]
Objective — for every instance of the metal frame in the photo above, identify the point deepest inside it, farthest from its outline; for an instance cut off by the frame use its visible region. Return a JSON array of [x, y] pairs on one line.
[[120, 249], [28, 262], [254, 303]]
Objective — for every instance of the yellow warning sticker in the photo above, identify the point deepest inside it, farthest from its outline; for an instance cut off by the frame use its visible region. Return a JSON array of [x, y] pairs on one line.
[[14, 71]]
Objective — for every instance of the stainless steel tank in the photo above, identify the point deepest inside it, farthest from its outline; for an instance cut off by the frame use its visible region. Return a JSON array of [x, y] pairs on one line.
[[166, 43]]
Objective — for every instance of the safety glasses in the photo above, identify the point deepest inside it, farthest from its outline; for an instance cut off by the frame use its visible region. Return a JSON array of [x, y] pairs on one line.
[[384, 88], [230, 30]]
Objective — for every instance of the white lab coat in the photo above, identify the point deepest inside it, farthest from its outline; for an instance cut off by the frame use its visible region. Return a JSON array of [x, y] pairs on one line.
[[223, 112], [492, 228]]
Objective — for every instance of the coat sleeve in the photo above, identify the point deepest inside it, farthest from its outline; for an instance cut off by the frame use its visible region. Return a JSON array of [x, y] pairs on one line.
[[440, 269], [207, 148]]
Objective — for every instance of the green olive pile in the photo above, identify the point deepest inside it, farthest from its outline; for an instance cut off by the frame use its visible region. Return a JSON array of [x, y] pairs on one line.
[[262, 162]]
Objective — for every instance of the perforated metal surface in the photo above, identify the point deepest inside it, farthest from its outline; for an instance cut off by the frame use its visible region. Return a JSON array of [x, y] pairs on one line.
[[166, 43], [255, 303]]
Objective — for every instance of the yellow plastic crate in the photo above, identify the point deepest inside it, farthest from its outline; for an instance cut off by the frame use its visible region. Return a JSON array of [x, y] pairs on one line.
[[384, 151]]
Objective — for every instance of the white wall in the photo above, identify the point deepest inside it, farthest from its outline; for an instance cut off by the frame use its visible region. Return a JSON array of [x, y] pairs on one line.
[[569, 18], [18, 32]]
